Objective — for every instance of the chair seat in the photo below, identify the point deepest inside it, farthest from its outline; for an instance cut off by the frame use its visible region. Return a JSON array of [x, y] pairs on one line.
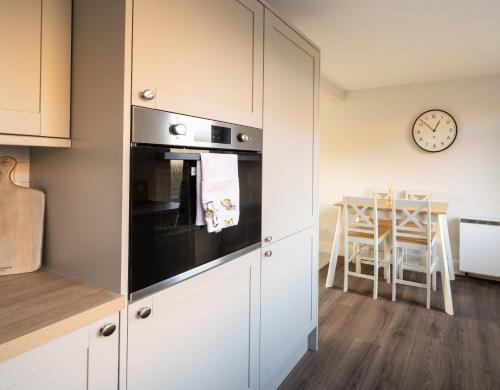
[[382, 231], [415, 240]]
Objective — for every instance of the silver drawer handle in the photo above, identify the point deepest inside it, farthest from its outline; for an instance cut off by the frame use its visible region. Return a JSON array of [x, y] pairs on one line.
[[108, 329], [148, 94], [268, 253], [144, 312], [268, 239]]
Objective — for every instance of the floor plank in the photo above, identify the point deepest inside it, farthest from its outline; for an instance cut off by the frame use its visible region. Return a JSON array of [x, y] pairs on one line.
[[378, 344]]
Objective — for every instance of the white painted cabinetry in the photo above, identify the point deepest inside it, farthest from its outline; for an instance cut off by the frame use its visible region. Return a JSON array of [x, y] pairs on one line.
[[81, 360], [288, 305], [35, 42], [198, 57], [291, 71], [201, 334]]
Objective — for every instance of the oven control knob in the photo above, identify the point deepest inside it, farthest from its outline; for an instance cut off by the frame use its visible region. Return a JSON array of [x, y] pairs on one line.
[[178, 129], [243, 137]]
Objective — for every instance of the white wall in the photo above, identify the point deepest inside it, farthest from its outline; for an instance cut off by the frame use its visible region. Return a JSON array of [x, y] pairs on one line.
[[366, 141], [21, 173]]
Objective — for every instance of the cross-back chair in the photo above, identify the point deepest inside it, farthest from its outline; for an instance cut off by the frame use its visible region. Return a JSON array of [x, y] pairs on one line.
[[413, 229], [361, 227]]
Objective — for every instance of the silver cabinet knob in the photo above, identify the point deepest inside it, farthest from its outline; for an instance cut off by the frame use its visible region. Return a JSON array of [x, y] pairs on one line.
[[178, 129], [107, 329], [144, 312], [268, 239], [243, 137], [148, 94], [268, 253]]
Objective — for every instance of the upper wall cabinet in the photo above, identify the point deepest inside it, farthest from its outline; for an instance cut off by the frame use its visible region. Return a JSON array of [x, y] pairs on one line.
[[200, 58], [291, 79], [35, 72]]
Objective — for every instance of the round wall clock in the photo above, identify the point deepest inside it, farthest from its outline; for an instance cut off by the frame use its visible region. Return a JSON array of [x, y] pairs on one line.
[[435, 130]]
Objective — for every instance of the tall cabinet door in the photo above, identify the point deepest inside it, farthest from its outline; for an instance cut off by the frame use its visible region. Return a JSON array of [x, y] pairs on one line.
[[20, 45], [291, 75], [200, 58], [288, 305]]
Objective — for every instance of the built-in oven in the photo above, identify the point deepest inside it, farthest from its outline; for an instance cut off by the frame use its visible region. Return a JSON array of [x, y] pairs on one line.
[[166, 246]]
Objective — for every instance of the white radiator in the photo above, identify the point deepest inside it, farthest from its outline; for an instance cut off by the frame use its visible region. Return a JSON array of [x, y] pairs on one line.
[[480, 246]]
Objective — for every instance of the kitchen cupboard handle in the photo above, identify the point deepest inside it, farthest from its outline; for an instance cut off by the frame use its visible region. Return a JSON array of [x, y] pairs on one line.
[[107, 329], [148, 94], [144, 312], [268, 239], [268, 253]]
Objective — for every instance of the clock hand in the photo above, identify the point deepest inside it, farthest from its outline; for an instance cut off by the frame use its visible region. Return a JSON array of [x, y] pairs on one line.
[[426, 124], [434, 130]]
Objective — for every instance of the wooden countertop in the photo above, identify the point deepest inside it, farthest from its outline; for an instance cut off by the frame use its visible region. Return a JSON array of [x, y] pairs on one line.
[[41, 306], [386, 205]]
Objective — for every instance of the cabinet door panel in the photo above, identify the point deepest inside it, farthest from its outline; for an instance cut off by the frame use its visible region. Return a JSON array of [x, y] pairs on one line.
[[20, 32], [59, 364], [291, 70], [103, 355], [287, 307], [202, 58], [202, 333]]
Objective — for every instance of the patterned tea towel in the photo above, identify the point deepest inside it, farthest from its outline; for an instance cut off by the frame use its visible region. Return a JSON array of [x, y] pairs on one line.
[[217, 191]]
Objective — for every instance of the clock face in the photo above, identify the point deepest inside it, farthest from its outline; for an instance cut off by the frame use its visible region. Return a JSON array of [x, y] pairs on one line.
[[435, 130]]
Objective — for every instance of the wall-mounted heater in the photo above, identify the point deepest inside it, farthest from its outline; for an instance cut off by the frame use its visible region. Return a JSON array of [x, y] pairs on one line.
[[480, 246]]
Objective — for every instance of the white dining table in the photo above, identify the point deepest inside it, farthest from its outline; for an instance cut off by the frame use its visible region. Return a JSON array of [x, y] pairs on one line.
[[439, 211]]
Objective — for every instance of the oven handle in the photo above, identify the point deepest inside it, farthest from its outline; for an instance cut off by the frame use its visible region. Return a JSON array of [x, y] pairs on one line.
[[197, 156]]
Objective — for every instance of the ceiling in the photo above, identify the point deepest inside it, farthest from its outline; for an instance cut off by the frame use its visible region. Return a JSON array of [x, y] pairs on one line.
[[376, 43]]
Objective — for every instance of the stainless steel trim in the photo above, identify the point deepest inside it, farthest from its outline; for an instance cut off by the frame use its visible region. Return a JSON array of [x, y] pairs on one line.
[[150, 126], [192, 272]]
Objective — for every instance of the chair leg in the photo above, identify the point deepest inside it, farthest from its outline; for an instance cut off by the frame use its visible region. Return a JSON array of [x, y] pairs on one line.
[[394, 268], [428, 290], [387, 264], [434, 273], [375, 272], [346, 265], [358, 258]]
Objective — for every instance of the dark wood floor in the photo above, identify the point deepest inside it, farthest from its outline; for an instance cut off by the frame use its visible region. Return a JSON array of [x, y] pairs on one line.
[[377, 344]]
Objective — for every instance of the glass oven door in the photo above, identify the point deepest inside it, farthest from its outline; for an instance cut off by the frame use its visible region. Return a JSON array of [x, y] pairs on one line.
[[165, 244]]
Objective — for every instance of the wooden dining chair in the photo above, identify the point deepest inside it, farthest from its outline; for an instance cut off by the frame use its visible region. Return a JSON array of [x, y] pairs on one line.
[[413, 229], [413, 195], [361, 228], [382, 193], [417, 195]]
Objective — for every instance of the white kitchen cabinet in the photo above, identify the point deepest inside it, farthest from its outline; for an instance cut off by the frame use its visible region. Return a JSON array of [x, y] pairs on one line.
[[288, 305], [35, 72], [81, 360], [200, 58], [291, 80], [202, 333]]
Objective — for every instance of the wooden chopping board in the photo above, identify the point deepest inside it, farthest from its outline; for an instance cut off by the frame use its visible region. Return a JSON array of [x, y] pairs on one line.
[[21, 223]]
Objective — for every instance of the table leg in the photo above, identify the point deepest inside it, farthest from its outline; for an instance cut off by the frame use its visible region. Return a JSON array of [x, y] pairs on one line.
[[451, 267], [445, 276], [335, 249]]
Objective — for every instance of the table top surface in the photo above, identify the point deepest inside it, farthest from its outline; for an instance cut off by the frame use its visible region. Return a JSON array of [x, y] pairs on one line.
[[38, 307], [386, 205]]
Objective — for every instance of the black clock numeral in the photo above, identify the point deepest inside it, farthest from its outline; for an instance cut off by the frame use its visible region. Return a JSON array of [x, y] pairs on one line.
[[434, 146], [433, 115], [448, 137], [451, 130], [420, 139], [420, 124], [442, 143], [418, 131]]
